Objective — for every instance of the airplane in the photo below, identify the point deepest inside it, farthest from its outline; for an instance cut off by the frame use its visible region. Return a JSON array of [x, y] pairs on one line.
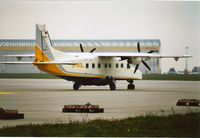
[[88, 68]]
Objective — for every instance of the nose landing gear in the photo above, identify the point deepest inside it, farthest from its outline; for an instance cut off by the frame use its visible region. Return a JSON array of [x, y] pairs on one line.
[[130, 86]]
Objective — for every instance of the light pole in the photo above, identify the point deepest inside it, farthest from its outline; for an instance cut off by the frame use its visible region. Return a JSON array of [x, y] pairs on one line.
[[186, 61]]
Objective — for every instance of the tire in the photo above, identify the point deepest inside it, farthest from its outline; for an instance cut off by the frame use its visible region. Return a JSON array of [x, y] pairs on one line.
[[112, 86], [131, 87], [76, 86]]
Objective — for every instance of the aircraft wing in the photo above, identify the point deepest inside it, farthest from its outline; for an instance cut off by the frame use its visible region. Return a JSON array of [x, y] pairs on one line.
[[39, 63], [137, 58], [19, 57], [141, 55]]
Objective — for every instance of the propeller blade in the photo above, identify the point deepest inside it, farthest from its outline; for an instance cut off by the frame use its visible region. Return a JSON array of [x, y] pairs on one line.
[[138, 47], [151, 51], [136, 67], [81, 47], [146, 65], [91, 51]]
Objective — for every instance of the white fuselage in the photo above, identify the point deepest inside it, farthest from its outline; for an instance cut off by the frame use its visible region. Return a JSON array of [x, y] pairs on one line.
[[91, 64]]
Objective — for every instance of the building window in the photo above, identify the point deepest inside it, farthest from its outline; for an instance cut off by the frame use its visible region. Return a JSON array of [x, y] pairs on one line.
[[93, 65], [128, 66], [117, 65], [122, 65], [87, 65], [106, 65], [99, 65], [109, 65]]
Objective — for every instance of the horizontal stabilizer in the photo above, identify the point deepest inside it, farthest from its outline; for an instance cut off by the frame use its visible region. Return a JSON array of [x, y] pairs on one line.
[[57, 63], [40, 63], [28, 55], [19, 57]]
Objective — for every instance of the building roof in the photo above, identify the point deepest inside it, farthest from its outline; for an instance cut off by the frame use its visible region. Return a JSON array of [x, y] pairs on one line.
[[126, 42]]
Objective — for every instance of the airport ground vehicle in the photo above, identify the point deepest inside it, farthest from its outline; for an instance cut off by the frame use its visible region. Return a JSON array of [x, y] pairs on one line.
[[10, 114]]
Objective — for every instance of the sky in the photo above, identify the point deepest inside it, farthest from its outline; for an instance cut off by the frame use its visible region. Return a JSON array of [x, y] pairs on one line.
[[175, 23]]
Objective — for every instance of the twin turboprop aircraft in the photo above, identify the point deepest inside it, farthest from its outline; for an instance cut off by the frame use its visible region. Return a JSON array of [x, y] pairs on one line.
[[88, 68]]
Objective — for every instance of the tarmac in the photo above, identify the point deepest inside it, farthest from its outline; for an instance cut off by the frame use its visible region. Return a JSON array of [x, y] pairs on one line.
[[42, 100]]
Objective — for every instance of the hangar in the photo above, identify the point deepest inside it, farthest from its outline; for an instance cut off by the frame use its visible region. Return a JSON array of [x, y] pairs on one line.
[[19, 46]]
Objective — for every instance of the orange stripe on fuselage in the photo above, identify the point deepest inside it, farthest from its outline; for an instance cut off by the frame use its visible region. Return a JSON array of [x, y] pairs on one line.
[[50, 68], [40, 56]]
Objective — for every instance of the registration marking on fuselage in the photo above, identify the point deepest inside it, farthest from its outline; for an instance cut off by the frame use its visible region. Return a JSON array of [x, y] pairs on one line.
[[7, 93]]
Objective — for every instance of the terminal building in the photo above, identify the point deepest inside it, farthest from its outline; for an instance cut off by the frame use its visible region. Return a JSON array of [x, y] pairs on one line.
[[18, 46]]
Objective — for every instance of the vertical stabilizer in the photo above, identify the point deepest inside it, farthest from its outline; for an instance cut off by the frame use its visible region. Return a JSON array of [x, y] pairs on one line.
[[43, 47]]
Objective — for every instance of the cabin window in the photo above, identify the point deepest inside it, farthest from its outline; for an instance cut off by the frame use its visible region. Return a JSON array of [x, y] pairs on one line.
[[128, 66], [117, 65], [93, 65], [106, 65], [99, 65], [109, 65], [122, 65], [87, 65]]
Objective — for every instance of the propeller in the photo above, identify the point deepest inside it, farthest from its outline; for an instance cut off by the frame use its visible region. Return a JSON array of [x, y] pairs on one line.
[[150, 51], [145, 64], [138, 47], [81, 47], [136, 67], [91, 51]]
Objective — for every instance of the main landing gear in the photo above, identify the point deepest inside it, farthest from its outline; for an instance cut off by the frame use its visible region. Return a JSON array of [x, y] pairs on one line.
[[109, 81], [76, 86], [130, 86], [112, 86]]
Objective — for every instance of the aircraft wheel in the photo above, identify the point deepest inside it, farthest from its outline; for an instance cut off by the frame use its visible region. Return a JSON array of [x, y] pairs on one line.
[[131, 87], [112, 86], [76, 86]]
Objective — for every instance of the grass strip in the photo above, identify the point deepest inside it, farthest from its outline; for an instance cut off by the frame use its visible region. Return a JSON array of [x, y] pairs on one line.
[[187, 125]]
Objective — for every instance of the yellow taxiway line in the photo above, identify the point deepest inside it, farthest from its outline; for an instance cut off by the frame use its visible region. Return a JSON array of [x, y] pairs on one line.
[[7, 93]]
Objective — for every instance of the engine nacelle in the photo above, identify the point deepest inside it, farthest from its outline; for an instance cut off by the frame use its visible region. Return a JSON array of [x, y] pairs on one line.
[[136, 61]]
